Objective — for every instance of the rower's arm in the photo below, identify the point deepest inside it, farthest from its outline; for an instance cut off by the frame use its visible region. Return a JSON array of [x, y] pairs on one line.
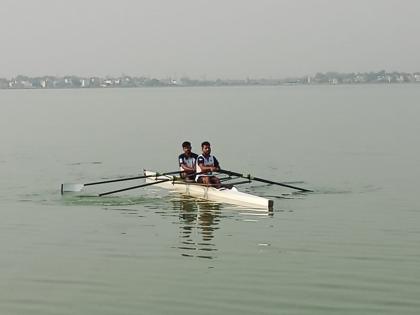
[[205, 168], [216, 165], [185, 167]]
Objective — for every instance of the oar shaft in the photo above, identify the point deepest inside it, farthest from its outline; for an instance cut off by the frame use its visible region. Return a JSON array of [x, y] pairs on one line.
[[232, 173], [276, 183], [263, 180], [230, 185], [129, 178], [113, 180], [134, 187]]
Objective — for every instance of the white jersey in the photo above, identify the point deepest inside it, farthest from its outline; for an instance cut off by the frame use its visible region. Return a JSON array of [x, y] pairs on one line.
[[207, 161], [188, 161]]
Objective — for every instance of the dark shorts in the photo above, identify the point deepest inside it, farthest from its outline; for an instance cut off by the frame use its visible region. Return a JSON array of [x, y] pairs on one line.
[[200, 179], [187, 177]]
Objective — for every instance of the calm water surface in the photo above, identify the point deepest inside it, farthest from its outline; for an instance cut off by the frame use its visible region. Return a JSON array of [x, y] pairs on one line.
[[351, 247]]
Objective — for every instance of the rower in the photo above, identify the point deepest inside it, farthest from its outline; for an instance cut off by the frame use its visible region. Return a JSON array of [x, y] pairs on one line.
[[206, 164], [187, 162]]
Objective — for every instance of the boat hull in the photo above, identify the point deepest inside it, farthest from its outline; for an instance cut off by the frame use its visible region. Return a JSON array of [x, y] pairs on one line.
[[225, 195]]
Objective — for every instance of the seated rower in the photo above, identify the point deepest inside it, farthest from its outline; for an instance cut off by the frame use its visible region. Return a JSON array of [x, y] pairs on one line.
[[206, 164], [187, 162]]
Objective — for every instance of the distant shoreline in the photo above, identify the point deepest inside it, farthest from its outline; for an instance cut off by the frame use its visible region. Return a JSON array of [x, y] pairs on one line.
[[208, 86], [328, 78]]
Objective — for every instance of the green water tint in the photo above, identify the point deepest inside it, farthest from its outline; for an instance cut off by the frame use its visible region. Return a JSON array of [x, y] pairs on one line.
[[86, 200], [350, 247]]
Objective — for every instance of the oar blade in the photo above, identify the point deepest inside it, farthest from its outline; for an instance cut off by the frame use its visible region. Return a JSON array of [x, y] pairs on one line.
[[262, 180], [70, 187]]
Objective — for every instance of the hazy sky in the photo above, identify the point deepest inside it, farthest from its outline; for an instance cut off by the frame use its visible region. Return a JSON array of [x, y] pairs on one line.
[[207, 38]]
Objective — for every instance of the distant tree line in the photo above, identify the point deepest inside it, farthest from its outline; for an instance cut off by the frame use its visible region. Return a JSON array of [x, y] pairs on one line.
[[54, 82]]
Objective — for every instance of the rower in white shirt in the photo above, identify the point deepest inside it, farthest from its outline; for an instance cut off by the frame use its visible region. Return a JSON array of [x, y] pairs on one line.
[[206, 164], [187, 162]]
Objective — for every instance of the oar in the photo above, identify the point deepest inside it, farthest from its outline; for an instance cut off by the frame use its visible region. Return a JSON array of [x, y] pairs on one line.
[[134, 187], [231, 185], [78, 187], [144, 185], [263, 180]]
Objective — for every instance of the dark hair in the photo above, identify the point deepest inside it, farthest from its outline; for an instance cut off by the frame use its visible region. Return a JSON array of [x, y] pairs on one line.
[[186, 144], [205, 143]]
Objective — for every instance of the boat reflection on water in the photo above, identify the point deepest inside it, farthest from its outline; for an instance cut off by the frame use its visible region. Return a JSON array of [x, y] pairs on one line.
[[198, 222]]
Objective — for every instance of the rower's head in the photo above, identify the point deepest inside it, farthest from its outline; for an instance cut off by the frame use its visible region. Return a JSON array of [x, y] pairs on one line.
[[205, 147], [186, 146]]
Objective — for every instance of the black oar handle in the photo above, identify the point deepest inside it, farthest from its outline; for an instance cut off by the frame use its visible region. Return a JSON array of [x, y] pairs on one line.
[[263, 180], [134, 187], [130, 178]]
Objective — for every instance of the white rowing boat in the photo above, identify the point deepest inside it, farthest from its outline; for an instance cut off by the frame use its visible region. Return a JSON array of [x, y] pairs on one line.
[[229, 195]]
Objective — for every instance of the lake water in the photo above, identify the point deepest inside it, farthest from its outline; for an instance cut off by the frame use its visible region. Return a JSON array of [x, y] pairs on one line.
[[351, 247]]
